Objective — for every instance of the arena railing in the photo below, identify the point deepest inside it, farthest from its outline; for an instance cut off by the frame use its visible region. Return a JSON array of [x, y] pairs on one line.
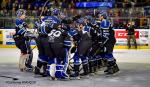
[[118, 22]]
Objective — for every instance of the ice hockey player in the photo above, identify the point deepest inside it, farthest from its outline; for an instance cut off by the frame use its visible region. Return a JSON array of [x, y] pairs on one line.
[[57, 63], [83, 46], [43, 28], [96, 40], [22, 41], [108, 42]]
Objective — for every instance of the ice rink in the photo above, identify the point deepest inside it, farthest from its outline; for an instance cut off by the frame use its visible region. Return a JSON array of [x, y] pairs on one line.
[[134, 72]]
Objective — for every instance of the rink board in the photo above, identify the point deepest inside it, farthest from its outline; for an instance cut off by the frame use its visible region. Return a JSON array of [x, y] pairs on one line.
[[116, 47], [142, 38]]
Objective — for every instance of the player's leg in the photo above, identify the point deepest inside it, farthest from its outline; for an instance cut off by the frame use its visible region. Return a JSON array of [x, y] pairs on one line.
[[76, 66], [51, 68], [28, 62], [20, 43], [41, 56], [112, 66], [61, 56], [83, 50]]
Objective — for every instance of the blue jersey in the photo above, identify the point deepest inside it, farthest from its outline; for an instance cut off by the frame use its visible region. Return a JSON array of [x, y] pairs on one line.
[[105, 28], [71, 33], [20, 27], [105, 24], [51, 20], [47, 24], [85, 33]]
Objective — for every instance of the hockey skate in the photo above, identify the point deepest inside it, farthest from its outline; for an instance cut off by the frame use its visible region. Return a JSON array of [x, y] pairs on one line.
[[76, 73], [112, 70]]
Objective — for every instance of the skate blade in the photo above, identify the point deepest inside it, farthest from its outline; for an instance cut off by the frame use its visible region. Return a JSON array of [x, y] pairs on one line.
[[92, 74], [29, 70], [37, 76], [63, 79], [85, 77], [99, 73], [75, 78], [53, 79]]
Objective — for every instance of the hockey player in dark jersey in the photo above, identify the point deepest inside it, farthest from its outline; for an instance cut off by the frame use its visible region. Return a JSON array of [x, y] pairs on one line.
[[74, 35], [83, 46], [108, 42], [43, 28], [96, 41], [57, 64], [22, 41], [45, 25]]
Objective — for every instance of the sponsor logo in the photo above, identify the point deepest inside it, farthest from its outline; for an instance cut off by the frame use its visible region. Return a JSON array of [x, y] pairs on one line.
[[144, 34], [124, 34]]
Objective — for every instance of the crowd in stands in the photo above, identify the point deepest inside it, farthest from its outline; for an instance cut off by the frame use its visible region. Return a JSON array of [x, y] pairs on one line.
[[8, 8]]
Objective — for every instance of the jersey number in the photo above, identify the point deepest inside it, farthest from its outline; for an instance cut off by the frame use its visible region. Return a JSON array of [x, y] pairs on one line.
[[54, 33]]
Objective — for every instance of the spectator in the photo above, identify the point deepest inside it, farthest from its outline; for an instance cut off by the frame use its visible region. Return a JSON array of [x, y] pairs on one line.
[[34, 11], [9, 5], [64, 4], [1, 13], [131, 34], [16, 4], [39, 11], [13, 11]]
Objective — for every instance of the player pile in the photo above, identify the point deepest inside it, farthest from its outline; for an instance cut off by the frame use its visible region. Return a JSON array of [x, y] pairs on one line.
[[86, 40]]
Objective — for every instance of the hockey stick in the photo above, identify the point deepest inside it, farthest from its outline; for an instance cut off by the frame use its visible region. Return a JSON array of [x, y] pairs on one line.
[[13, 78]]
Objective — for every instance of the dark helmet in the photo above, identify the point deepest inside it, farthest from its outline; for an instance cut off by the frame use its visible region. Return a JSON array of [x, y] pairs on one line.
[[81, 21], [88, 18], [56, 11], [103, 14]]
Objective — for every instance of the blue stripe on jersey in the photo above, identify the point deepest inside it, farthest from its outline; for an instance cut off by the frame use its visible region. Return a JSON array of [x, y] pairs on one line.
[[20, 24], [21, 31], [72, 32], [52, 20], [87, 28], [43, 31], [67, 43]]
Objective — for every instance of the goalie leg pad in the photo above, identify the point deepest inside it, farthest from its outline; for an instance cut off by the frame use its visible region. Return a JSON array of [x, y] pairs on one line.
[[52, 70], [60, 72]]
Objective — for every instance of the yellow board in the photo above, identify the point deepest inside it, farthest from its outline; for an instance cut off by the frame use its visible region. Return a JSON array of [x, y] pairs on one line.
[[11, 46], [1, 37], [116, 47], [126, 47]]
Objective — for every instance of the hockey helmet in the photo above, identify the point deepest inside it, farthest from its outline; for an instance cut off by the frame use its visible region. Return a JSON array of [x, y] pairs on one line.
[[20, 12], [56, 11]]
